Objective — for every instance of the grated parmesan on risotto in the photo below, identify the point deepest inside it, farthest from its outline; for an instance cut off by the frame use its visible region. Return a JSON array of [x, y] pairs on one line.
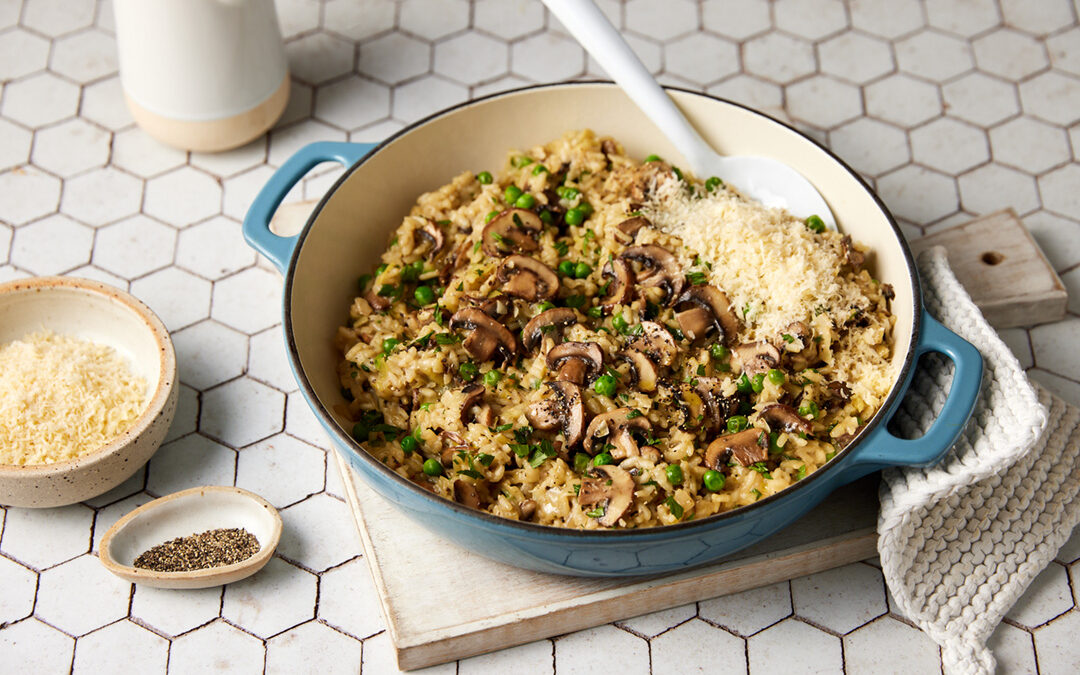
[[62, 397]]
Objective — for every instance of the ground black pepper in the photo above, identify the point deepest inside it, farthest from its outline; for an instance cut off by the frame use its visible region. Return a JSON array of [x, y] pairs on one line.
[[213, 548]]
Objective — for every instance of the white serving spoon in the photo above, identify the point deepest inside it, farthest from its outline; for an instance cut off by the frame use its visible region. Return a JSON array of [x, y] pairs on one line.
[[769, 181]]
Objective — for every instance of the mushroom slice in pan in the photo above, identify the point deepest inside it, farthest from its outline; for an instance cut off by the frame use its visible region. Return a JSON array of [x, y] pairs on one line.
[[614, 428], [785, 418], [695, 322], [643, 370], [568, 409], [745, 447], [621, 287], [576, 362], [757, 357], [627, 230], [852, 255], [661, 269], [713, 305], [611, 486], [553, 320], [512, 231], [526, 509], [377, 302], [474, 393], [545, 415], [656, 343], [487, 337], [717, 407], [801, 352], [465, 493], [434, 236], [527, 278]]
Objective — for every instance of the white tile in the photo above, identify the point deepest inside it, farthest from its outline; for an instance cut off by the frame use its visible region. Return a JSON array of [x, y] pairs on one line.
[[190, 462], [889, 646], [379, 658], [142, 652], [1009, 54], [14, 145], [433, 19], [1068, 390], [793, 647], [209, 353], [219, 647], [649, 53], [1058, 190], [81, 595], [547, 57], [319, 533], [101, 196], [701, 58], [661, 19], [855, 57], [1017, 341], [103, 102], [27, 193], [652, 624], [918, 194], [318, 183], [934, 55], [1029, 145], [248, 301], [320, 57], [9, 12], [107, 516], [335, 485], [241, 412], [949, 146], [174, 611], [604, 649], [471, 58], [1056, 646], [52, 245], [275, 599], [902, 100], [351, 103], [182, 197], [840, 599], [870, 146], [358, 19], [313, 647], [36, 647], [240, 190], [1048, 596], [232, 162], [750, 611], [751, 91], [56, 17], [177, 297], [980, 99], [736, 20], [297, 16], [992, 187], [98, 274], [5, 242], [106, 19], [39, 100], [136, 151], [823, 101], [534, 658], [814, 19], [214, 248], [262, 465], [1013, 649], [778, 57], [348, 600], [41, 538], [380, 131], [1037, 18], [963, 18], [697, 647], [186, 419], [299, 105], [508, 19], [20, 587], [1064, 49], [134, 247], [70, 147], [301, 422], [889, 20], [267, 360], [84, 57], [22, 53], [284, 143]]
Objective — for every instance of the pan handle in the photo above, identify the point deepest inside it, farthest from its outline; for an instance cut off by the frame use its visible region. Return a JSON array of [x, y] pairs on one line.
[[279, 250], [882, 449]]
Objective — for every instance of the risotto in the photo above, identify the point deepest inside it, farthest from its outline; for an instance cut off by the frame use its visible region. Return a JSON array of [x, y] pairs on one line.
[[585, 340]]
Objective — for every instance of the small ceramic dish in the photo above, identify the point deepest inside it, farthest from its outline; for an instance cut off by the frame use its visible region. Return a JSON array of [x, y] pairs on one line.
[[97, 312], [187, 513]]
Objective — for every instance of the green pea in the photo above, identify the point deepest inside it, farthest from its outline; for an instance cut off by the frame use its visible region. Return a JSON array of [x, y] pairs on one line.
[[809, 409], [409, 445], [605, 385], [737, 423], [582, 270], [713, 183], [595, 312], [567, 193], [525, 201], [674, 474], [743, 384], [490, 215], [816, 224], [757, 383], [581, 462], [776, 376], [585, 208], [602, 459], [719, 351], [492, 377], [545, 306], [618, 322], [484, 177], [412, 271], [468, 371], [567, 268], [574, 216], [521, 160], [512, 193], [432, 467], [388, 345], [424, 295], [714, 480], [653, 158], [546, 217], [539, 169]]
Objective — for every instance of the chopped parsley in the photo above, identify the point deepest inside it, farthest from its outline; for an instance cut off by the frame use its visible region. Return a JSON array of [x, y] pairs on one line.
[[674, 506]]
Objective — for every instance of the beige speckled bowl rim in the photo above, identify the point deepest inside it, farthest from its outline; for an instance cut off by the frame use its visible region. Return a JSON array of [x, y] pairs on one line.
[[166, 377]]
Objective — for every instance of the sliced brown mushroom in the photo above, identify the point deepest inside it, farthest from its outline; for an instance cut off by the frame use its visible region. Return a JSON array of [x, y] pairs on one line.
[[474, 394], [757, 357], [512, 231], [647, 177], [527, 509], [801, 352], [717, 407], [487, 337], [434, 236], [545, 415], [745, 447], [837, 394], [495, 307], [656, 343], [852, 255], [576, 362], [707, 303], [615, 427], [627, 230], [785, 418], [549, 322], [643, 371], [566, 408], [661, 269], [378, 302], [527, 278], [460, 258], [621, 287], [611, 486], [465, 493]]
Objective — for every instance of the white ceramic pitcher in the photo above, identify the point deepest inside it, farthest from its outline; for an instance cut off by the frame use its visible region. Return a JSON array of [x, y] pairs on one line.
[[203, 75]]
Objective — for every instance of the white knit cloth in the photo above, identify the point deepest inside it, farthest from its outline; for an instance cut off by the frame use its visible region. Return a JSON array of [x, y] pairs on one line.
[[961, 541]]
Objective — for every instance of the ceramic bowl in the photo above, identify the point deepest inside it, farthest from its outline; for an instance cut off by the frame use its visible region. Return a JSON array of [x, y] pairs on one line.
[[92, 311], [185, 513]]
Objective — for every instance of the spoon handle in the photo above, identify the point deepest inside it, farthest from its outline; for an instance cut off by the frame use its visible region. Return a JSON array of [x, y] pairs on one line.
[[593, 31]]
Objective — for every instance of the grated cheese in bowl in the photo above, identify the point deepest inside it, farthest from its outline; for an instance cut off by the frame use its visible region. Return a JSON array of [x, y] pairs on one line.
[[61, 398]]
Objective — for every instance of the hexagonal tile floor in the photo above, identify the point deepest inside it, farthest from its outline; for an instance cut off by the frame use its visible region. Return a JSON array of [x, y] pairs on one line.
[[949, 109]]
